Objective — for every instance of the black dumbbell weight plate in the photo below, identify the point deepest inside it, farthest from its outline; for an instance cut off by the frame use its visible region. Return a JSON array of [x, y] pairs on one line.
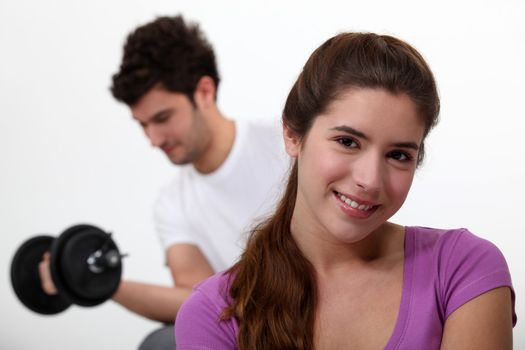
[[25, 277], [70, 270]]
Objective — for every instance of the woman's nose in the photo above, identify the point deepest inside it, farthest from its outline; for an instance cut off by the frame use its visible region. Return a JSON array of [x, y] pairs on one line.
[[368, 172]]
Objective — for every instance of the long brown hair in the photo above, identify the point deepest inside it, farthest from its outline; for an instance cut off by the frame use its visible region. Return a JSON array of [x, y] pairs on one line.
[[273, 285]]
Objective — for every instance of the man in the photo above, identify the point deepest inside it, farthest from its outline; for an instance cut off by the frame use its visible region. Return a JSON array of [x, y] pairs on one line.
[[230, 172]]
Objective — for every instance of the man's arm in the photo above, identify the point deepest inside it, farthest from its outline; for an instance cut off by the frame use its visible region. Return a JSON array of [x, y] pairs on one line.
[[484, 322], [160, 303], [188, 267]]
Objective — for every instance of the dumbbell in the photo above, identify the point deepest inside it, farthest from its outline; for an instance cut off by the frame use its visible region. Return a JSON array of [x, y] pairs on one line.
[[85, 266]]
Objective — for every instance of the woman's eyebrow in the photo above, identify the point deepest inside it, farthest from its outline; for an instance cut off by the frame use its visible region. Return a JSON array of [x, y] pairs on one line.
[[350, 130], [411, 145]]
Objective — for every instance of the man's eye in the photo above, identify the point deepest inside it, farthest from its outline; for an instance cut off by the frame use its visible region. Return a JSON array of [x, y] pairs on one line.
[[347, 142], [400, 156], [162, 119]]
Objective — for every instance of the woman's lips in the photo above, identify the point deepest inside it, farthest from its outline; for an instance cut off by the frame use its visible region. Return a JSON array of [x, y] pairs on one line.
[[354, 207]]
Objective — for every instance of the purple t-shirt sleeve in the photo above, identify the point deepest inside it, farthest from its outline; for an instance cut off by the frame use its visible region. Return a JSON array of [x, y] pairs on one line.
[[198, 325], [469, 267]]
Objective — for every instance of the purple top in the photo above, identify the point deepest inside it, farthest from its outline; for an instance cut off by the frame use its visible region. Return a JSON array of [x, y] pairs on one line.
[[443, 269]]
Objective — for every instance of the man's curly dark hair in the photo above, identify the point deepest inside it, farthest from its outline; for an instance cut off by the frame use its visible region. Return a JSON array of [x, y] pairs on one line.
[[168, 52]]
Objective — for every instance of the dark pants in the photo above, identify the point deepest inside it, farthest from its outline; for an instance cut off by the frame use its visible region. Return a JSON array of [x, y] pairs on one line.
[[160, 339]]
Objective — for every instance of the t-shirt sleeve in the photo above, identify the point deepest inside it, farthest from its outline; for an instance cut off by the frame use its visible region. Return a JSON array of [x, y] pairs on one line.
[[170, 221], [471, 266], [198, 325]]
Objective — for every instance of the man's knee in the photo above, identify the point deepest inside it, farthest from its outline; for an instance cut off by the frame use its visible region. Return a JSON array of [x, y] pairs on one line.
[[160, 339]]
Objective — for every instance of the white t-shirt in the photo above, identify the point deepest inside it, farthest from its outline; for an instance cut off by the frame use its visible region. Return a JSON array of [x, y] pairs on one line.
[[216, 211]]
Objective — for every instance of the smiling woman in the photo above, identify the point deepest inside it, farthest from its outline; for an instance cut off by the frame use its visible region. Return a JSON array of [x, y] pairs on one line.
[[356, 167], [328, 270]]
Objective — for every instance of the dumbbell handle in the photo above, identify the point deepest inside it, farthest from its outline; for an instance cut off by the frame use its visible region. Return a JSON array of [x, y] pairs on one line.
[[100, 260]]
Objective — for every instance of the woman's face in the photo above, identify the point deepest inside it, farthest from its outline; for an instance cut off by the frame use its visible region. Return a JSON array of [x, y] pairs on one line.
[[356, 164]]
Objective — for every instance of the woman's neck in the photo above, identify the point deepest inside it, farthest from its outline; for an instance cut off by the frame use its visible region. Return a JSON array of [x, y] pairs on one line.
[[329, 256]]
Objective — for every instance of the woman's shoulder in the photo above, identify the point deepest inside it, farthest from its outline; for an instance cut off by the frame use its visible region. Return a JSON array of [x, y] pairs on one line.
[[464, 264], [454, 248], [448, 240], [199, 322], [213, 291]]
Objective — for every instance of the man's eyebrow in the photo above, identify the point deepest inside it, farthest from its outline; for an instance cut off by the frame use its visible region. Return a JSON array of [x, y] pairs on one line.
[[161, 113], [349, 130], [157, 115]]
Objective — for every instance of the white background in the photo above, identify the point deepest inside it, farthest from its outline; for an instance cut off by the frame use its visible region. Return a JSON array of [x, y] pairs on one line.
[[69, 153]]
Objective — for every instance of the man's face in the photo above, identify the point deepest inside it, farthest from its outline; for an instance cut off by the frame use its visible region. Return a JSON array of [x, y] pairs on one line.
[[172, 123]]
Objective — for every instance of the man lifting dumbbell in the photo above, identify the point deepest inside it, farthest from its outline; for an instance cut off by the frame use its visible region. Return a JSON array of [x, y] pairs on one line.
[[81, 266], [230, 171]]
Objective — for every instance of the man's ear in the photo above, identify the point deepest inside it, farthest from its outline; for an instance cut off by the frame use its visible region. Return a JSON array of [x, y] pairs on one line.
[[292, 142], [205, 92]]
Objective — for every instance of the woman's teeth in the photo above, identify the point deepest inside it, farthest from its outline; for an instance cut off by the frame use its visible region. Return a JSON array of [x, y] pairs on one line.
[[354, 204]]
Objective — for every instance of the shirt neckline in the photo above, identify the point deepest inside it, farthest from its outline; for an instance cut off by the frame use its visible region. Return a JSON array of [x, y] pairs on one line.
[[226, 167], [406, 292]]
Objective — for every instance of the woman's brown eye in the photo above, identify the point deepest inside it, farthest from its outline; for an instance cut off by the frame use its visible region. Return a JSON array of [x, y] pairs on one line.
[[347, 142], [400, 156]]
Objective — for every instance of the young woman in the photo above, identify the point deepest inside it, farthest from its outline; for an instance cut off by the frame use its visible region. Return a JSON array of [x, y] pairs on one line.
[[327, 270]]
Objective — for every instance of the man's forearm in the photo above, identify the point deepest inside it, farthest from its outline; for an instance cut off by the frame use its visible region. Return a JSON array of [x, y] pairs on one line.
[[158, 303]]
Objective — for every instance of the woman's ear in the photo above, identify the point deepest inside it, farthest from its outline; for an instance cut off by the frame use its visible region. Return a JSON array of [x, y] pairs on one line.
[[292, 142]]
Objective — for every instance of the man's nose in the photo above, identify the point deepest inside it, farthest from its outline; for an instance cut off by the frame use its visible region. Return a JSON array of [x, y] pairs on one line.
[[154, 135]]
